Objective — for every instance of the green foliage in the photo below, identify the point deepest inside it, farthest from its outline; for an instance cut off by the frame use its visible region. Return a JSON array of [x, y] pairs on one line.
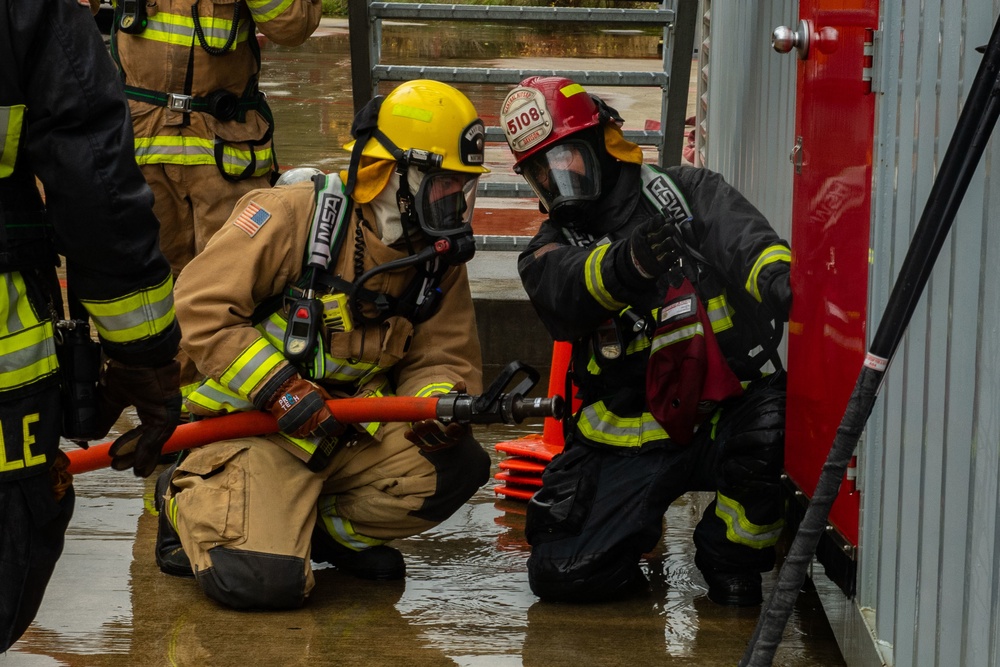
[[339, 7], [334, 7]]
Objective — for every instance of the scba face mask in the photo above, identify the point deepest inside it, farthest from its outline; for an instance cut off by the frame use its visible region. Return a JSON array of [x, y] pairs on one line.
[[445, 202], [441, 205], [566, 177]]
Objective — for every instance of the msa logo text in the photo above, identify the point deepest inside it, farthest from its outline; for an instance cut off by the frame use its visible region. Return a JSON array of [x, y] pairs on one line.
[[671, 203]]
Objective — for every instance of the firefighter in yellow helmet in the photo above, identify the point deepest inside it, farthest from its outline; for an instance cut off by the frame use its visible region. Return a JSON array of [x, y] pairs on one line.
[[350, 285]]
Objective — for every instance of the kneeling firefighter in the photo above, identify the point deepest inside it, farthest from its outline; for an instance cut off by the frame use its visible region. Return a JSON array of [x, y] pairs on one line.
[[673, 290], [332, 286]]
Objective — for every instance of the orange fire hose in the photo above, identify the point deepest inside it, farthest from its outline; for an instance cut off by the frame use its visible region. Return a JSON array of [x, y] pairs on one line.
[[243, 424]]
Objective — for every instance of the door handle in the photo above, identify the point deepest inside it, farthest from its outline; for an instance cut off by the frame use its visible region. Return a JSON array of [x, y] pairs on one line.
[[784, 39]]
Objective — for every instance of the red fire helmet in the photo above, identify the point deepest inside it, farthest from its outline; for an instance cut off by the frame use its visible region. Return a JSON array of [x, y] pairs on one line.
[[541, 110]]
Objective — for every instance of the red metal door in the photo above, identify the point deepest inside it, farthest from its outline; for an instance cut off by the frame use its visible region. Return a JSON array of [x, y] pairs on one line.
[[832, 158]]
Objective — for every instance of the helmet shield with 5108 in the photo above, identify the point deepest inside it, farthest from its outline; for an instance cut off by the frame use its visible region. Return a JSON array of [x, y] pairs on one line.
[[547, 122]]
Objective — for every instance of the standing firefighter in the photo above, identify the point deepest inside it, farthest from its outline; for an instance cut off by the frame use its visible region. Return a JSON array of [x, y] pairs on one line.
[[64, 121], [352, 286], [672, 288], [203, 128]]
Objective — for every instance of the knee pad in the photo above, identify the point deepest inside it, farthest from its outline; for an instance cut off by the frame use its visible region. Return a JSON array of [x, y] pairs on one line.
[[251, 580], [460, 471]]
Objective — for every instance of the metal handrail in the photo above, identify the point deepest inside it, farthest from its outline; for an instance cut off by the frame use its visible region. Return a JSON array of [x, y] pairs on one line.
[[366, 27], [503, 75], [401, 10]]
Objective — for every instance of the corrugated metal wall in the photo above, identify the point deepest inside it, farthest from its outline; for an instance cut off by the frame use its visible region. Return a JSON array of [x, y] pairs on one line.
[[929, 582], [930, 463], [746, 102]]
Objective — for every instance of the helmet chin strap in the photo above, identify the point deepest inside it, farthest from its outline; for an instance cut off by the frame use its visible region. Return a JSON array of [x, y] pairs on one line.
[[407, 207]]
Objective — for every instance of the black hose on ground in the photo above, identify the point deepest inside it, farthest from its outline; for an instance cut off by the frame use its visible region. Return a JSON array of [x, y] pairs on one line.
[[975, 125]]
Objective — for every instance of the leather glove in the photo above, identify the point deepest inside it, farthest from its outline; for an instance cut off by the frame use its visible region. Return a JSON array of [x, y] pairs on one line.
[[60, 475], [155, 393], [300, 408], [431, 435], [654, 247]]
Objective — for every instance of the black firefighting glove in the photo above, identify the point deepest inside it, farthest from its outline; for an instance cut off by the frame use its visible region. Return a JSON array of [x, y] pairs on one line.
[[777, 294], [431, 435], [300, 408], [654, 247], [155, 393]]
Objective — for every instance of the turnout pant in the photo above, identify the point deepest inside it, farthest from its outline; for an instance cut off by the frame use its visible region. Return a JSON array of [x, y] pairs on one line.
[[245, 509], [598, 510], [33, 518]]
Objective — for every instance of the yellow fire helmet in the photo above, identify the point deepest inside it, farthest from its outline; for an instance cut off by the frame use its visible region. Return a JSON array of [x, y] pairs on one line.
[[423, 123]]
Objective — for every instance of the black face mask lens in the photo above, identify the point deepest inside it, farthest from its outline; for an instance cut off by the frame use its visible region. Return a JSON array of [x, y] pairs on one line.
[[446, 201], [564, 174]]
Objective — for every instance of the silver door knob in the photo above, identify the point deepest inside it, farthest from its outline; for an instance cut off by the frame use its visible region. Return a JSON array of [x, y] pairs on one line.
[[784, 39]]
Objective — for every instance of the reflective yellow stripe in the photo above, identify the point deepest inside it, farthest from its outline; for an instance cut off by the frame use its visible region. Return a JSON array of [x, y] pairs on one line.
[[137, 316], [28, 344], [11, 119], [307, 445], [720, 314], [22, 315], [251, 367], [178, 30], [213, 396], [595, 281], [434, 389], [267, 10], [171, 510], [741, 530], [686, 332], [638, 344], [771, 254], [193, 151], [600, 425], [341, 529], [29, 355]]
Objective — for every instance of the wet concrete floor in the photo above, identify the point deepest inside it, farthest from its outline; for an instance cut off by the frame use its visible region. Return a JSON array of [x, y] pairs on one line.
[[466, 599]]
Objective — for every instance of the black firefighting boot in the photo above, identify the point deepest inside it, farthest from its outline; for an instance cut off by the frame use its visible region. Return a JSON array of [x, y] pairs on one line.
[[379, 562], [170, 556], [733, 589]]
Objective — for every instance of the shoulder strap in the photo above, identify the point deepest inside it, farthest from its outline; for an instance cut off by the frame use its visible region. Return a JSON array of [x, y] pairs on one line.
[[664, 195], [329, 224]]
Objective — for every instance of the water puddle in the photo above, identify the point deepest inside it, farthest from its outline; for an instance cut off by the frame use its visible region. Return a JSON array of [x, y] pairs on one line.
[[465, 601]]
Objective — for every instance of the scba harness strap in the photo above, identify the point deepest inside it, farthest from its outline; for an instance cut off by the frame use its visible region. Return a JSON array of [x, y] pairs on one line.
[[303, 301], [661, 191]]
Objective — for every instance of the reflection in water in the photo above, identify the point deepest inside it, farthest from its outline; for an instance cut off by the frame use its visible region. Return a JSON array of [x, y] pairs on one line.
[[465, 601]]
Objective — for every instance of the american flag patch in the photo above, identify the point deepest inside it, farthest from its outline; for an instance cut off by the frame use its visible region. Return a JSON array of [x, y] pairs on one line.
[[252, 218]]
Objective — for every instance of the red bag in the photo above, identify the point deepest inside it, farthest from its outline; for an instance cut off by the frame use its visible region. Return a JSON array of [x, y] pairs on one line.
[[687, 374]]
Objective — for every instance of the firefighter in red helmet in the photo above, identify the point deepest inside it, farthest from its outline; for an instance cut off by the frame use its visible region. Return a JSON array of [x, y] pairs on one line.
[[674, 291]]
